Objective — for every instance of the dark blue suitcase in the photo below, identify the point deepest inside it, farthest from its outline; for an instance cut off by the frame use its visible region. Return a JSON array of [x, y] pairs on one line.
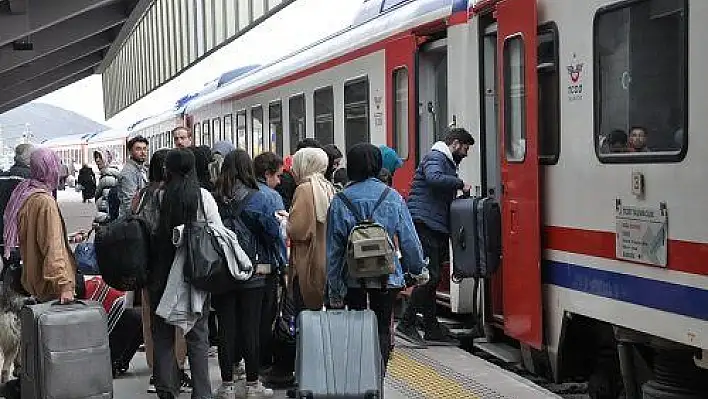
[[338, 355], [463, 235]]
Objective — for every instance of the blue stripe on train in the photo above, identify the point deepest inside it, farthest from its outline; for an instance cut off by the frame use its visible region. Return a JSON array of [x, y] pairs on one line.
[[669, 297]]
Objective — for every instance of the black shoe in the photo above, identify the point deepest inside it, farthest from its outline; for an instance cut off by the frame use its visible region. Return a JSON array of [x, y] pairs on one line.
[[278, 379], [439, 334], [186, 383], [410, 333], [151, 385]]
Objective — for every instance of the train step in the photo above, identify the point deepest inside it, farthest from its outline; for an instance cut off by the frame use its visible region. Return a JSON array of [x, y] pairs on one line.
[[504, 352]]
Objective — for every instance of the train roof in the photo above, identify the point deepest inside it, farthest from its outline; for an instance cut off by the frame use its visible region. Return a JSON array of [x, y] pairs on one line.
[[376, 20], [72, 139], [111, 134]]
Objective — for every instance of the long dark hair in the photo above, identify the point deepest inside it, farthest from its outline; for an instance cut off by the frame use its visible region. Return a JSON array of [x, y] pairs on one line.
[[182, 194], [237, 167], [203, 156], [156, 173]]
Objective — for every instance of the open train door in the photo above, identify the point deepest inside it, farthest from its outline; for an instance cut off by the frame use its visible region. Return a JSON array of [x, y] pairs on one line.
[[520, 172], [401, 117]]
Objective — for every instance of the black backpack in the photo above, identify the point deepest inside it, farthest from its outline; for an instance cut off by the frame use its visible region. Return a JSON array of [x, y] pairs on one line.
[[231, 214], [123, 252]]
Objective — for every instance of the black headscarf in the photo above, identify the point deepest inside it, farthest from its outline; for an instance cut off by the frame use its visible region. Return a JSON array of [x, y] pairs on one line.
[[202, 158], [363, 161]]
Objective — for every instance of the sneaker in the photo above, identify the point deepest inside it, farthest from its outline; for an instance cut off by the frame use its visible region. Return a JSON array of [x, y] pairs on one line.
[[257, 390], [227, 390], [410, 333], [151, 385], [240, 371], [186, 383], [213, 351]]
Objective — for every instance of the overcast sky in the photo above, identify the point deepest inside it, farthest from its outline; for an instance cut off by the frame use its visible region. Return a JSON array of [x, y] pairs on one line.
[[297, 25]]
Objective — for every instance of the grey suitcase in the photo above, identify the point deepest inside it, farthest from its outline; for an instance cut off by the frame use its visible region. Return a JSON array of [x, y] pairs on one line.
[[463, 235], [65, 352], [338, 355]]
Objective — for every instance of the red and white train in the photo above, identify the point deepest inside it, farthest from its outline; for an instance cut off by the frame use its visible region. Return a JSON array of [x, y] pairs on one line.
[[582, 111]]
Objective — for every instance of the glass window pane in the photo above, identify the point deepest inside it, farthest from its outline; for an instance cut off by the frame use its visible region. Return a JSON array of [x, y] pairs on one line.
[[229, 129], [242, 140], [216, 132], [356, 112], [257, 130], [400, 112], [324, 115], [206, 134], [641, 53], [514, 100], [196, 134], [275, 119], [297, 121], [548, 98]]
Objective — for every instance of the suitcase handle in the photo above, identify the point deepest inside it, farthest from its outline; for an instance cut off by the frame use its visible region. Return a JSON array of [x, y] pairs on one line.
[[461, 238], [73, 302]]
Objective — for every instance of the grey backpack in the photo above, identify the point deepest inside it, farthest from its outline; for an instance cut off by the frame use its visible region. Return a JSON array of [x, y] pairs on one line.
[[369, 249]]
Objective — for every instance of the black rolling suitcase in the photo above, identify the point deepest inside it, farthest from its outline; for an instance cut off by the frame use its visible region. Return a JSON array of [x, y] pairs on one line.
[[463, 234], [338, 355]]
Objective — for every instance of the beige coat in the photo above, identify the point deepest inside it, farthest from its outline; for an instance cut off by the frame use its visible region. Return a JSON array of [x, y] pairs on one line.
[[49, 265], [307, 247]]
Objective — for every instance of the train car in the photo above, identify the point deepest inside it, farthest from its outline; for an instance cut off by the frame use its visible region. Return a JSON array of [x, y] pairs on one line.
[[581, 115], [158, 129], [114, 140], [71, 149]]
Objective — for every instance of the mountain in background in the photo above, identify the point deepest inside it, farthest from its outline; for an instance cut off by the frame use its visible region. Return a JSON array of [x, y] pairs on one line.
[[45, 122]]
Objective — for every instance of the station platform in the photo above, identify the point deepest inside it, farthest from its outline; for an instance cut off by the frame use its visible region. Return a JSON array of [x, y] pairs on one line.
[[435, 372]]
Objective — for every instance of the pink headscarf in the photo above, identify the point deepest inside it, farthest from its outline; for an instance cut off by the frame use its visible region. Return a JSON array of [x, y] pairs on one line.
[[44, 172]]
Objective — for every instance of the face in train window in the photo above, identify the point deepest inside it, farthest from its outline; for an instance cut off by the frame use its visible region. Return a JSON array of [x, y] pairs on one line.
[[640, 63]]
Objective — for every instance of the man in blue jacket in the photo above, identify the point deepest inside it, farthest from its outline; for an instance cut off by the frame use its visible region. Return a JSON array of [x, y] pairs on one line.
[[434, 186]]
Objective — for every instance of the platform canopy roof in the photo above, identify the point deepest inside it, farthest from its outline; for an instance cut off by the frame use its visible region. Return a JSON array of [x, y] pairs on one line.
[[48, 44]]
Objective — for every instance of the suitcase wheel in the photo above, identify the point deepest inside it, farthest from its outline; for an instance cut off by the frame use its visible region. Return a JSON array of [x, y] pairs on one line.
[[372, 395]]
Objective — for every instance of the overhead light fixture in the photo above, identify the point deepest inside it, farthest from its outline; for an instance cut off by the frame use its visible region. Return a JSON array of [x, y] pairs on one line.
[[24, 44]]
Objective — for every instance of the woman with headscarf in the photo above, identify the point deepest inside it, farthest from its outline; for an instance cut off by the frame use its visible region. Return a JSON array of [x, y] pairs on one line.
[[33, 221], [220, 150], [364, 192], [108, 179], [307, 224], [389, 163]]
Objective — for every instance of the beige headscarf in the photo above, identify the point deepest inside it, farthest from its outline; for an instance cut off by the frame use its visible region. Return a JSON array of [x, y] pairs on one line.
[[309, 164]]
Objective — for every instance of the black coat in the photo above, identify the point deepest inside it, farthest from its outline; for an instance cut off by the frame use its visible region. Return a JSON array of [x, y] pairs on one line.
[[87, 180]]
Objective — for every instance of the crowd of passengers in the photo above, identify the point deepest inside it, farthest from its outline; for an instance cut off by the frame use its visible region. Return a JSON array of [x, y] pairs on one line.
[[292, 207]]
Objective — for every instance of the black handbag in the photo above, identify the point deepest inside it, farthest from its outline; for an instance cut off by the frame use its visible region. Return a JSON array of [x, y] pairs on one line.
[[205, 265], [284, 327]]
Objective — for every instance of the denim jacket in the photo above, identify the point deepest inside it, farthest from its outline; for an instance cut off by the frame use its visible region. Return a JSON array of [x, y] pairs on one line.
[[276, 202], [392, 214]]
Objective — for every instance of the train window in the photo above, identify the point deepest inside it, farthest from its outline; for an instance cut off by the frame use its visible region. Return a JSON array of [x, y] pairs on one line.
[[400, 112], [275, 119], [324, 115], [216, 129], [641, 55], [548, 96], [206, 133], [514, 99], [241, 136], [356, 112], [229, 129], [297, 121], [257, 130]]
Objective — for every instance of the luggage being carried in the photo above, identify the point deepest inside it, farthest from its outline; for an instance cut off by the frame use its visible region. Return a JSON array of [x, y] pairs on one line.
[[369, 249], [65, 352], [325, 369], [475, 233], [123, 252]]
